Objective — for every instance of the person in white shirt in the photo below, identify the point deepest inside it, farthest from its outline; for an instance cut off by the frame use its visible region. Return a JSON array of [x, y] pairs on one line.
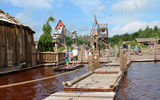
[[75, 55]]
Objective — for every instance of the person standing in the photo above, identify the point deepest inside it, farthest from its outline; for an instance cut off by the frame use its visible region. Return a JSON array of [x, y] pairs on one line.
[[135, 50], [75, 56], [70, 54], [118, 52], [67, 58], [139, 49]]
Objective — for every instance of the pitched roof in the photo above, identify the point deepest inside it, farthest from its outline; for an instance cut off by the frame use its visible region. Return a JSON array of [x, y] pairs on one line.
[[5, 17], [58, 23], [146, 39]]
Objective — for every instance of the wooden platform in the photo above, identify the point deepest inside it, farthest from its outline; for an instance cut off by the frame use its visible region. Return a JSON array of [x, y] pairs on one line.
[[68, 69], [81, 96]]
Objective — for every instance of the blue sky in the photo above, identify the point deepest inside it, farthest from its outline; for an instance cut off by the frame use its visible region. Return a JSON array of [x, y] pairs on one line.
[[121, 15]]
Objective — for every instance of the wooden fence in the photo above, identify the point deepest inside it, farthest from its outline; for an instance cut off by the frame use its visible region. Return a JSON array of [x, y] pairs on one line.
[[51, 57]]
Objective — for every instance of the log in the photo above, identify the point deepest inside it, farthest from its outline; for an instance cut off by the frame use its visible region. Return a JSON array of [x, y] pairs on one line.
[[70, 83]]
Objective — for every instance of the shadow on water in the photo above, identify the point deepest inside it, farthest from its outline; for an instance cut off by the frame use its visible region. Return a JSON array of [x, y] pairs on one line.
[[37, 90], [142, 82]]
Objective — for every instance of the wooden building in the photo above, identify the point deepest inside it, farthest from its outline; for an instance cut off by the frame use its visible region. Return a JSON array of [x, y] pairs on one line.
[[147, 41], [59, 35], [16, 42]]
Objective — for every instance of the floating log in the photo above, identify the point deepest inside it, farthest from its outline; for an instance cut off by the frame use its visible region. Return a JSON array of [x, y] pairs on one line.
[[68, 69], [70, 83]]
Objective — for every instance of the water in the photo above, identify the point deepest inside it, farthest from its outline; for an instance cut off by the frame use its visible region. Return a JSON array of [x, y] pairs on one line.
[[36, 90], [142, 82]]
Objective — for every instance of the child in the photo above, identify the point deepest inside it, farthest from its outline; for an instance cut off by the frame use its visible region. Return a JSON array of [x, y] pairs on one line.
[[67, 58], [117, 52]]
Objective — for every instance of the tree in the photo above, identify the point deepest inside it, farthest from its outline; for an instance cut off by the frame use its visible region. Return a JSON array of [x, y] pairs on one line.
[[126, 37], [45, 40]]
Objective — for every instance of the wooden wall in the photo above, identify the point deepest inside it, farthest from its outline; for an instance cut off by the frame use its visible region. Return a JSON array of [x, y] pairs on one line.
[[15, 45]]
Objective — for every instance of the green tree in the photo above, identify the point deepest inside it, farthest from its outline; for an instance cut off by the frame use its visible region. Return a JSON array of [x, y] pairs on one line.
[[126, 37], [45, 40]]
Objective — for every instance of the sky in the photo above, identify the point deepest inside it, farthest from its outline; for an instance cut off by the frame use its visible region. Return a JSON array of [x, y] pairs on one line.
[[121, 15]]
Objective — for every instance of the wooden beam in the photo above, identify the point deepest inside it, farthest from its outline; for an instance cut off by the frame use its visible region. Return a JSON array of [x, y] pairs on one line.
[[89, 89]]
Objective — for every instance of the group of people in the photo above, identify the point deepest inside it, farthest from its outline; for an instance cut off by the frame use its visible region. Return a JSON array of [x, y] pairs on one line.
[[136, 51], [72, 55]]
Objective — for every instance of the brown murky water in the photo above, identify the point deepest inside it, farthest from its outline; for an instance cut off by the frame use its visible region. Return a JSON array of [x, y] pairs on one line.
[[36, 90], [142, 82]]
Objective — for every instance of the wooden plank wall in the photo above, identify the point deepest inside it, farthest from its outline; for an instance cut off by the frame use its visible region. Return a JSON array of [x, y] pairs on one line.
[[0, 45], [3, 56], [18, 41]]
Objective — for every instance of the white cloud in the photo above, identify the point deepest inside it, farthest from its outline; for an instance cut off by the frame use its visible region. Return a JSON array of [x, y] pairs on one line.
[[26, 18], [90, 6], [134, 6], [132, 27], [31, 3]]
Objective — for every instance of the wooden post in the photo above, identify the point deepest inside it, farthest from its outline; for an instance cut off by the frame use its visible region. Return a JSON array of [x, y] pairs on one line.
[[129, 51], [93, 58], [98, 58], [121, 61], [125, 62], [155, 57], [82, 52], [89, 60], [38, 56], [56, 51], [115, 51]]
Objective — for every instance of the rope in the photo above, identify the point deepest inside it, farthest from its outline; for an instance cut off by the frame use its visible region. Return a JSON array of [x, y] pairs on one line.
[[41, 79]]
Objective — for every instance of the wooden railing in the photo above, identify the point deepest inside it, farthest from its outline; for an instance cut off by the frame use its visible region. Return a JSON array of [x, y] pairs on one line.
[[51, 57]]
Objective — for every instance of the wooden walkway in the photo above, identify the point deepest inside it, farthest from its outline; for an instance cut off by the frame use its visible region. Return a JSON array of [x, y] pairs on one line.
[[99, 85]]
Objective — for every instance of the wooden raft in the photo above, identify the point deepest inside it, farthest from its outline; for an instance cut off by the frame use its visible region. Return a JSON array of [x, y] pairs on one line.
[[100, 81]]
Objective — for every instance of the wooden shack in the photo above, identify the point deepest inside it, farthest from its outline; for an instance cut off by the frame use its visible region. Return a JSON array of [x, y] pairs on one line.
[[16, 42], [148, 41]]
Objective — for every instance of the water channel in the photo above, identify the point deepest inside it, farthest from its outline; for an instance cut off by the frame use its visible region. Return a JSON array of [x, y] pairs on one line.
[[36, 90], [142, 82]]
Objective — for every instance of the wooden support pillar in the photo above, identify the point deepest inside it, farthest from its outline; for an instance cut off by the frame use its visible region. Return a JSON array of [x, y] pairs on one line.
[[82, 53], [121, 61], [96, 60], [56, 51], [38, 52], [98, 63], [90, 68], [155, 51], [125, 62], [129, 51]]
